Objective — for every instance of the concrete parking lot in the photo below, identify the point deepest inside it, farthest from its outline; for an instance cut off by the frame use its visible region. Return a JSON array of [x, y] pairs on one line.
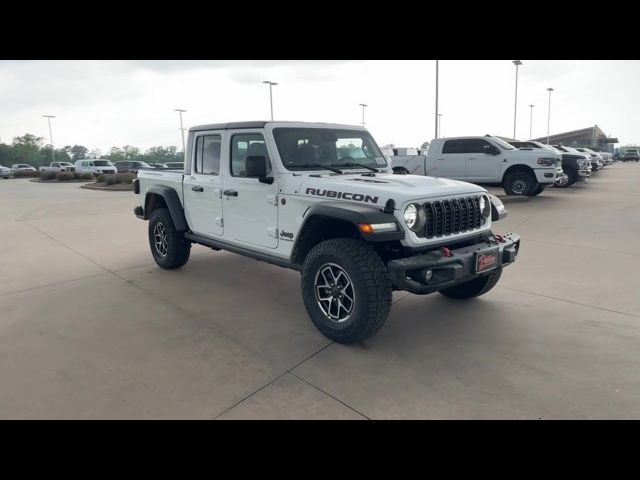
[[90, 327]]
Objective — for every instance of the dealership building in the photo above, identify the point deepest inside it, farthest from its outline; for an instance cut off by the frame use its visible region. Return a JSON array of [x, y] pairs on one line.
[[585, 137]]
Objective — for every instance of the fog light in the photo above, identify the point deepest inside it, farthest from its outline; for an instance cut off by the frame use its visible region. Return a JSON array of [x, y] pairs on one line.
[[428, 275]]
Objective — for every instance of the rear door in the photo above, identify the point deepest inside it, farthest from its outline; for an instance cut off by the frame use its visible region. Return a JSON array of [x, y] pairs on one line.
[[202, 187], [250, 207], [451, 161], [481, 166]]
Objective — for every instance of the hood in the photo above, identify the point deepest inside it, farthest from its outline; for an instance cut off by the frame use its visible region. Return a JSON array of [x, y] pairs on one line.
[[376, 189]]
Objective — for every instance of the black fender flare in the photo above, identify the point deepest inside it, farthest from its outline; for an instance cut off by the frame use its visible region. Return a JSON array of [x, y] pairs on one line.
[[174, 205]]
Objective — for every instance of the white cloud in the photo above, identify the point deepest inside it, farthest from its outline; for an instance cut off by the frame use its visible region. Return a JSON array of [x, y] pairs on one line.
[[100, 104]]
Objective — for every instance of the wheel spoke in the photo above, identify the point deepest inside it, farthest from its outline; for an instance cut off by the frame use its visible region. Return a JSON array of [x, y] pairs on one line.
[[334, 292]]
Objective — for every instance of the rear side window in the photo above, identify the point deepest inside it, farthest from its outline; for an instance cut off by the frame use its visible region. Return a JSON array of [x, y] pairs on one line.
[[208, 154], [467, 145]]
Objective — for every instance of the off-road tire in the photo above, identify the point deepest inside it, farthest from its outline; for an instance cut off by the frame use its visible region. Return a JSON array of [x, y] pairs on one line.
[[474, 288], [371, 286], [178, 248], [512, 178]]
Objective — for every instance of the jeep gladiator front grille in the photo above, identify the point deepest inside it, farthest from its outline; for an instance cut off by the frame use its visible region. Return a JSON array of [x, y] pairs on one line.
[[456, 215]]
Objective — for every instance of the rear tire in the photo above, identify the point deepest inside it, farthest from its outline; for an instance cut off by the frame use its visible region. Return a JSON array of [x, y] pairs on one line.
[[168, 246], [358, 290], [520, 183], [474, 288]]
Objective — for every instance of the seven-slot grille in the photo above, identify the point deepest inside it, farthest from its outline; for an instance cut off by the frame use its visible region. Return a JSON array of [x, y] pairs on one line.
[[455, 215]]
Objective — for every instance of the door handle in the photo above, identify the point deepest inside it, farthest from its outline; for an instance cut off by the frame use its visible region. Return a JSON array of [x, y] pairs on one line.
[[472, 158], [231, 193], [197, 189]]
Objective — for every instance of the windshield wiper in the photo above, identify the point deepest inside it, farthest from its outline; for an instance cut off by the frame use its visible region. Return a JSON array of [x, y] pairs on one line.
[[373, 169], [317, 165]]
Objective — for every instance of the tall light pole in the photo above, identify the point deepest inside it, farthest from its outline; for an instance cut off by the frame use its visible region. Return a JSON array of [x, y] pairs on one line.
[[531, 121], [271, 84], [363, 105], [437, 66], [180, 112], [49, 117], [517, 63], [549, 114], [440, 123]]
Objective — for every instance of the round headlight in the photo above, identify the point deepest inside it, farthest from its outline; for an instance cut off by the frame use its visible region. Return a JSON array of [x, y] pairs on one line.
[[485, 206], [411, 215]]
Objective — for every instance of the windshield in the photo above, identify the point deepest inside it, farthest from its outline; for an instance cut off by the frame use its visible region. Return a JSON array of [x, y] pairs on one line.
[[502, 143], [102, 163], [306, 148]]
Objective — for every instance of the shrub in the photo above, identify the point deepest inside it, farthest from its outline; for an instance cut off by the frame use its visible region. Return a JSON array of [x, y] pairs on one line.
[[85, 176], [25, 173], [111, 179], [64, 176], [76, 175], [126, 177], [102, 178], [47, 175]]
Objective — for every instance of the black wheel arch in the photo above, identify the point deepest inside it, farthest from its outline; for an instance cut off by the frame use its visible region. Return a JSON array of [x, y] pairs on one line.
[[329, 220], [161, 196]]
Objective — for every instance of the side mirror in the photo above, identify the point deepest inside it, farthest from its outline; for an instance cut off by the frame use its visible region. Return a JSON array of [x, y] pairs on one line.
[[491, 150], [256, 167]]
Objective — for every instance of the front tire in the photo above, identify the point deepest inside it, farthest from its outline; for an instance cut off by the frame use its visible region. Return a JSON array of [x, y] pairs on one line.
[[346, 289], [168, 246], [520, 183], [474, 288]]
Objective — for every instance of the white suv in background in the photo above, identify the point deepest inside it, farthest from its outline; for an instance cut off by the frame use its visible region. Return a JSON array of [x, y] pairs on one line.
[[95, 166]]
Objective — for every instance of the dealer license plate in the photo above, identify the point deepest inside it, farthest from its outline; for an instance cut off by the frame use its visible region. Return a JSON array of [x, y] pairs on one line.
[[486, 260]]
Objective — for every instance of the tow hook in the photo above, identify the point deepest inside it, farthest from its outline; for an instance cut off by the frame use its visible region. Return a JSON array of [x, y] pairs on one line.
[[499, 237], [446, 252]]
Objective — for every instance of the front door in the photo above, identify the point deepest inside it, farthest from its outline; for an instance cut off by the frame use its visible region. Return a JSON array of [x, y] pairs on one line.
[[250, 207], [202, 188]]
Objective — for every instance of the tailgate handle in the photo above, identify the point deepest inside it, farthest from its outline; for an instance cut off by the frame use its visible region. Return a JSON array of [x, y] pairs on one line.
[[197, 189], [231, 193]]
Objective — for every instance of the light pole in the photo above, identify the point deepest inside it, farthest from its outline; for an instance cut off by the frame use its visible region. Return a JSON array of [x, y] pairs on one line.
[[517, 63], [440, 123], [271, 84], [531, 121], [180, 112], [49, 117], [437, 66], [549, 114], [363, 105]]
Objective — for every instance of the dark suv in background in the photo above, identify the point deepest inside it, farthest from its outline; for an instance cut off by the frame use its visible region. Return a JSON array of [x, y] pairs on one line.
[[131, 166]]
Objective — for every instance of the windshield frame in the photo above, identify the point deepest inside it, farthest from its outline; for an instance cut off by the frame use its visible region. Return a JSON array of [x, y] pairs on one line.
[[378, 161]]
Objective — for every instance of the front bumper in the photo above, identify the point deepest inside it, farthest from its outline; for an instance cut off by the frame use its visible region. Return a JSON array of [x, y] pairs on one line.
[[409, 273], [548, 175], [584, 173]]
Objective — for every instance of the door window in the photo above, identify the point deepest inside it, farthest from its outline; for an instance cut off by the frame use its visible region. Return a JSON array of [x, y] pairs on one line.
[[208, 154], [467, 145], [247, 145]]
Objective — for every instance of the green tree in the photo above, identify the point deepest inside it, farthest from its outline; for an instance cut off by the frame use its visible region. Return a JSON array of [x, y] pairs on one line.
[[28, 149], [79, 152]]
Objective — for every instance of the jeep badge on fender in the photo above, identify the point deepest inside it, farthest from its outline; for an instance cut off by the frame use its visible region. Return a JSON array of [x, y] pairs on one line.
[[321, 199]]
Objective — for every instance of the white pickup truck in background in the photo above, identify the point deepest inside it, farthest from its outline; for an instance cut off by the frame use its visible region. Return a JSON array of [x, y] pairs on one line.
[[485, 160], [58, 167]]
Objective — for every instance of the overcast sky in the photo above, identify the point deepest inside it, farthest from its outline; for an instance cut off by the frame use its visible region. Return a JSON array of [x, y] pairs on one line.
[[100, 104]]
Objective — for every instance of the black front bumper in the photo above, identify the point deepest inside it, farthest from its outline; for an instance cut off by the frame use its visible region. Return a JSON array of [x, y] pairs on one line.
[[409, 273]]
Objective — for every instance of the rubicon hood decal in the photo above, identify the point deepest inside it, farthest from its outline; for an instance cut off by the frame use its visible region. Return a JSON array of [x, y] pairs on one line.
[[358, 197]]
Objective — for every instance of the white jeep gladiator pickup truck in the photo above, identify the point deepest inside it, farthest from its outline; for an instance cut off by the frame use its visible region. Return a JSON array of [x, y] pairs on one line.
[[321, 199], [485, 160]]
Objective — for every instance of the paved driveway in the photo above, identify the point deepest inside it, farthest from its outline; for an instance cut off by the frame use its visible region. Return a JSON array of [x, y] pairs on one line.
[[91, 328]]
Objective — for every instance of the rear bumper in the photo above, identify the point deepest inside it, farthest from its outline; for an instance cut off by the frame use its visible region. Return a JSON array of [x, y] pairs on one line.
[[409, 273]]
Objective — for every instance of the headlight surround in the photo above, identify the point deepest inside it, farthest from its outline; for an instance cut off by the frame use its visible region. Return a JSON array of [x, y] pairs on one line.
[[414, 217], [485, 206]]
